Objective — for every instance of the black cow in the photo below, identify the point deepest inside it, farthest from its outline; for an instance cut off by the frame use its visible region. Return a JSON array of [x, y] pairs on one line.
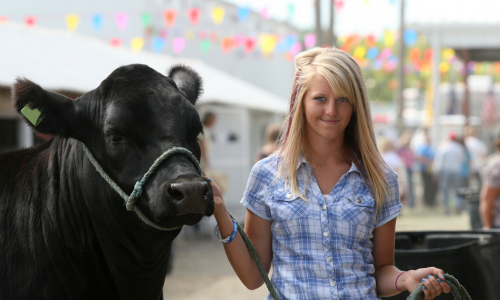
[[64, 233]]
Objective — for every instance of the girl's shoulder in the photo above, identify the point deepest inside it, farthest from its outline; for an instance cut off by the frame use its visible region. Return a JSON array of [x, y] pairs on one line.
[[266, 169], [267, 162], [390, 175]]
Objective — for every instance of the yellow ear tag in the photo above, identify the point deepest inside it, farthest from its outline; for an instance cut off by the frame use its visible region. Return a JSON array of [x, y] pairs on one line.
[[35, 116]]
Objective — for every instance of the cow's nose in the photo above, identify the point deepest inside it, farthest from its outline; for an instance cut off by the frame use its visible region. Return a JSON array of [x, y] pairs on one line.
[[190, 197]]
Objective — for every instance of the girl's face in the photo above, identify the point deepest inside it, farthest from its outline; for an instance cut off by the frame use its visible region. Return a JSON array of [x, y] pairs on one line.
[[327, 115]]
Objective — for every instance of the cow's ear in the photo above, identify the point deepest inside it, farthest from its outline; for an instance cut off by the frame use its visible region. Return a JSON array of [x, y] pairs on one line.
[[47, 112], [188, 81]]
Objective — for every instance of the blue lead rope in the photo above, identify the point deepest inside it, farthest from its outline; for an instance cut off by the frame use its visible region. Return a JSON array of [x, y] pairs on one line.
[[138, 187]]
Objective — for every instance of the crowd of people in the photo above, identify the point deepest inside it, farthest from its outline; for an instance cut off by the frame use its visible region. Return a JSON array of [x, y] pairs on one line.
[[456, 164]]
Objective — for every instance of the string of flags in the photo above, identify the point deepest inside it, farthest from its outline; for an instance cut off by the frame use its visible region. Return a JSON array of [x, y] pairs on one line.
[[371, 52]]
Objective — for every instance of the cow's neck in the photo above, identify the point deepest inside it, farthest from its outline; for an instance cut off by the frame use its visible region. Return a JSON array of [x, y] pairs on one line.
[[137, 255]]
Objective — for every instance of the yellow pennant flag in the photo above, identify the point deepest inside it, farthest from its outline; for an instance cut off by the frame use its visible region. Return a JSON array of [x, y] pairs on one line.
[[359, 52], [448, 54], [218, 15], [189, 34], [444, 67], [268, 43], [137, 44], [72, 21], [389, 38]]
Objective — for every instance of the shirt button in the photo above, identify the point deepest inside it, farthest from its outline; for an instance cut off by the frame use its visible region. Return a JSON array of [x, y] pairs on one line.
[[329, 259], [326, 234], [332, 283], [323, 207], [358, 200], [289, 196]]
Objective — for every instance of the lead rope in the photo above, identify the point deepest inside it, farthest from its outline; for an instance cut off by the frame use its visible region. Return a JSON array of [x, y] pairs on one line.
[[136, 193], [256, 257], [457, 290]]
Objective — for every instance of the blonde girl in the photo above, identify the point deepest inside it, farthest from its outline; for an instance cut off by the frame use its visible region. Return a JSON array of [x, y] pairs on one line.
[[322, 210]]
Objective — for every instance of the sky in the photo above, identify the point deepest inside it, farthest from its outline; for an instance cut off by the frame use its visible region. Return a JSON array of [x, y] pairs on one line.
[[356, 16], [375, 16]]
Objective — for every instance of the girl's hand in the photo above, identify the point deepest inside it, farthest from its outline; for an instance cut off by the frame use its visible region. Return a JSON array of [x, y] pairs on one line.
[[432, 287], [219, 204]]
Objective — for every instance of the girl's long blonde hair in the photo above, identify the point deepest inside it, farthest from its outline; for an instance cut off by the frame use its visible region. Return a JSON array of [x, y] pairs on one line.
[[346, 80]]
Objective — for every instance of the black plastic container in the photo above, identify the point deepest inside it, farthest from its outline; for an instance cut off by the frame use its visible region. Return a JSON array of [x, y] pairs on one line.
[[473, 257]]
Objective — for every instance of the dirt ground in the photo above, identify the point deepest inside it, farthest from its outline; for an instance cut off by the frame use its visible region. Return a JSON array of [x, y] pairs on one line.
[[201, 270]]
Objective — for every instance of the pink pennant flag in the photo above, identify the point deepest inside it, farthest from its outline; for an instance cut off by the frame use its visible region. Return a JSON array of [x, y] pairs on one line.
[[194, 16], [265, 13], [30, 21], [296, 48], [339, 5], [249, 44], [115, 42], [178, 44], [310, 40], [121, 20]]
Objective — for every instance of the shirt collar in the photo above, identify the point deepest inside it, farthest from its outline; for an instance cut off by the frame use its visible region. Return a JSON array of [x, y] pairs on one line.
[[303, 160]]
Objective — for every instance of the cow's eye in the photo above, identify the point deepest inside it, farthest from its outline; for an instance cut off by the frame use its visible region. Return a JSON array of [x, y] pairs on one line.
[[114, 138]]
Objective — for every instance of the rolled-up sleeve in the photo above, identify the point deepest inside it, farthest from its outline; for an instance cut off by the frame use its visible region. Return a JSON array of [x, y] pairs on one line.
[[392, 206], [257, 195]]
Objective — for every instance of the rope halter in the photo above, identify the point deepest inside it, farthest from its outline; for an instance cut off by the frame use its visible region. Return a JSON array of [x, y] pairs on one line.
[[130, 200]]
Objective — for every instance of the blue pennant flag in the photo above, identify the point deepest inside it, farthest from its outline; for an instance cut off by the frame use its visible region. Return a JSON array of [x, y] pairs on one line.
[[158, 44], [243, 13], [97, 20]]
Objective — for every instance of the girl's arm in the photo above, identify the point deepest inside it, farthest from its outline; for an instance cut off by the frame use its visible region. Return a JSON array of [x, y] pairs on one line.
[[259, 232], [488, 196], [386, 273]]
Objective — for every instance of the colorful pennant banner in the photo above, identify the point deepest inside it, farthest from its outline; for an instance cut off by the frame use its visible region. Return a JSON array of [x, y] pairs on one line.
[[72, 21], [121, 20], [218, 15], [371, 52]]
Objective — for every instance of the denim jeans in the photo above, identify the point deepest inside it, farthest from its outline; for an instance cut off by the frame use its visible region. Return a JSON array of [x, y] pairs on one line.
[[450, 182]]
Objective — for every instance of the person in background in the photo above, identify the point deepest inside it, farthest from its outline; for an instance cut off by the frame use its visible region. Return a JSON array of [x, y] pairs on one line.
[[322, 210], [478, 152], [407, 157], [424, 156], [394, 162], [272, 135], [206, 139], [489, 206], [464, 171], [448, 162]]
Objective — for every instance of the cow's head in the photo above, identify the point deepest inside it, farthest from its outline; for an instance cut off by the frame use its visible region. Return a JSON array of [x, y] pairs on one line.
[[134, 116]]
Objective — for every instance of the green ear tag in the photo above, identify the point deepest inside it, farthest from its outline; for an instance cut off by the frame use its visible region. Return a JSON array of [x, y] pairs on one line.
[[35, 116]]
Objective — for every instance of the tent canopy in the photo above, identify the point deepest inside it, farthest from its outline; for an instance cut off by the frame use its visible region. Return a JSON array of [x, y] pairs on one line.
[[61, 60]]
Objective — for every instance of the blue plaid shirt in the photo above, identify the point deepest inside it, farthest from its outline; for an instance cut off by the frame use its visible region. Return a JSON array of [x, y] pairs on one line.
[[322, 247]]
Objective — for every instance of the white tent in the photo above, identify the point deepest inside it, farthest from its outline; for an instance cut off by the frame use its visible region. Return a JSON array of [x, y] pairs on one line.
[[61, 60]]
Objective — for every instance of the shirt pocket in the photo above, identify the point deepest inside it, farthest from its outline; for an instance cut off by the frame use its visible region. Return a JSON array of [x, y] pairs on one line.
[[359, 209], [286, 206]]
